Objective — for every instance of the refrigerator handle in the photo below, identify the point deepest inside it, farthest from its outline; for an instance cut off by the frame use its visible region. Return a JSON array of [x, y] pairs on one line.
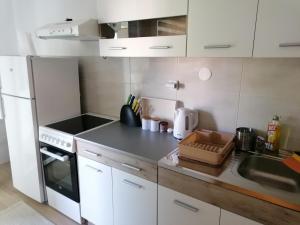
[[2, 111]]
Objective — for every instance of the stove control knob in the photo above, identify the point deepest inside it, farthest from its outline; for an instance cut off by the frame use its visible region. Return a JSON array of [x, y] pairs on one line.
[[68, 145], [62, 143]]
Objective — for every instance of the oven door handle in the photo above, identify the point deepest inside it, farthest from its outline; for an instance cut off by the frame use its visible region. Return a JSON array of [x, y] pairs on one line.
[[60, 158]]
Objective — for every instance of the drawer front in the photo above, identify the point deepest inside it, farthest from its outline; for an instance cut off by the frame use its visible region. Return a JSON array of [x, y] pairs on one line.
[[167, 46], [175, 208], [135, 200], [120, 161]]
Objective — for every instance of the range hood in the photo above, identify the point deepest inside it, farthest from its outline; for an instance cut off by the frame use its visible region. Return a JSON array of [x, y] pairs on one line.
[[83, 30]]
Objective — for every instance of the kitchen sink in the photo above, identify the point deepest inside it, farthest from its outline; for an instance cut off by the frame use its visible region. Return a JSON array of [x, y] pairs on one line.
[[269, 171]]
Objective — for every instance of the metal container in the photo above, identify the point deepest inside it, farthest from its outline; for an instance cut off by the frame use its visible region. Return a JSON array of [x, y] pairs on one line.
[[245, 138]]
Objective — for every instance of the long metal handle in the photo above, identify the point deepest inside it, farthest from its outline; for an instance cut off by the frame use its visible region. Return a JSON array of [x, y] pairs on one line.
[[186, 206], [2, 111], [93, 168], [138, 186], [92, 153], [58, 157], [161, 47], [131, 167], [118, 48], [216, 46], [293, 44]]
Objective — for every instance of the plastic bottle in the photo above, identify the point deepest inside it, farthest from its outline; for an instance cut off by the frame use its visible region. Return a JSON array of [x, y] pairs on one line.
[[273, 134]]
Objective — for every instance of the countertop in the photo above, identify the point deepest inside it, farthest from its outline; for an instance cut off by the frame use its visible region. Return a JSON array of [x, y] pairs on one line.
[[133, 141], [228, 177]]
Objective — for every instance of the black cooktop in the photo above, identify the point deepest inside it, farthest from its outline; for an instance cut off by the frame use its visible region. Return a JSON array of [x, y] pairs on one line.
[[79, 124]]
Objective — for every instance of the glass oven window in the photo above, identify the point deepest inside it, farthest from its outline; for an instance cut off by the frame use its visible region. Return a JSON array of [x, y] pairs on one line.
[[61, 175]]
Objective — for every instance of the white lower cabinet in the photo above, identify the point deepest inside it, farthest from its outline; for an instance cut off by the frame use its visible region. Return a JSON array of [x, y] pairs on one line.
[[228, 218], [134, 200], [178, 209], [95, 184]]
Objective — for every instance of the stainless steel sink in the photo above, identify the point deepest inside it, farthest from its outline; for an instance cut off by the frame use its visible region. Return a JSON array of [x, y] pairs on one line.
[[270, 172]]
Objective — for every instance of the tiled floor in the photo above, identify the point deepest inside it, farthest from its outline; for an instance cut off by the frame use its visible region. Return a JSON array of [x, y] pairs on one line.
[[9, 196]]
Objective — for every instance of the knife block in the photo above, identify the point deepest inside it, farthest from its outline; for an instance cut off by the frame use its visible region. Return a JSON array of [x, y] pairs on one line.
[[128, 117]]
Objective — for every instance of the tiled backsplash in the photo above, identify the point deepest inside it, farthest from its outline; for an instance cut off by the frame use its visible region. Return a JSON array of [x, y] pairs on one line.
[[241, 92]]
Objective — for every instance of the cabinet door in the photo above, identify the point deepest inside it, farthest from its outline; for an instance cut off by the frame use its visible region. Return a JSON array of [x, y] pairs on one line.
[[168, 46], [135, 200], [278, 29], [228, 218], [221, 28], [111, 11], [95, 184], [177, 209]]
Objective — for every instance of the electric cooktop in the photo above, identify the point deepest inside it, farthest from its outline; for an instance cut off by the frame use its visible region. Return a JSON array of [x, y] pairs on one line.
[[61, 134], [79, 124]]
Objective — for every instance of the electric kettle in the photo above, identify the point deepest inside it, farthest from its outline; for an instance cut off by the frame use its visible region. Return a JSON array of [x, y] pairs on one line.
[[185, 121]]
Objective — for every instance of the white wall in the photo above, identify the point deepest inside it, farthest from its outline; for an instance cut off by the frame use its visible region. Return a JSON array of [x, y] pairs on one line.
[[32, 14], [241, 92], [8, 46]]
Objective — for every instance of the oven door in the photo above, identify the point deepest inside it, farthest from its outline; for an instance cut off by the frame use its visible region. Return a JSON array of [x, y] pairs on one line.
[[60, 170]]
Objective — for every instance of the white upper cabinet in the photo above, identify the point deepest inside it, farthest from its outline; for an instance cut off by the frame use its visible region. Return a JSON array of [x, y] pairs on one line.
[[111, 11], [164, 46], [221, 28], [228, 218], [278, 29]]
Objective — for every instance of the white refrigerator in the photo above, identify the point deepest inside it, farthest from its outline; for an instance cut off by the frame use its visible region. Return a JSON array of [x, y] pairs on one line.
[[35, 91]]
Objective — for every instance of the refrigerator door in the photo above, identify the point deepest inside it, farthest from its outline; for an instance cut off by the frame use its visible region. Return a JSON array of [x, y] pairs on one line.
[[21, 128], [16, 76]]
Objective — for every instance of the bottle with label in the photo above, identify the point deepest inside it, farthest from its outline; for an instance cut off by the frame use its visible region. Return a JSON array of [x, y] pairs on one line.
[[273, 134]]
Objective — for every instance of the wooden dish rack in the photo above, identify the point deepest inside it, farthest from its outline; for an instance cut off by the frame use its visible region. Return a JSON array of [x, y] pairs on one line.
[[206, 146]]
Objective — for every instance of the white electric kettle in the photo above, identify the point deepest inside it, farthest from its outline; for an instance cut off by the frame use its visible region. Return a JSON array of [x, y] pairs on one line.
[[185, 121]]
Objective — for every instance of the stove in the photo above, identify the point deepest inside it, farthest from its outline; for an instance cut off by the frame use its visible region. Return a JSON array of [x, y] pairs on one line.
[[61, 134], [58, 151]]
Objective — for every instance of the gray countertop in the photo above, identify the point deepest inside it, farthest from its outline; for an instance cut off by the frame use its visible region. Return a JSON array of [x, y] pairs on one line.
[[133, 141]]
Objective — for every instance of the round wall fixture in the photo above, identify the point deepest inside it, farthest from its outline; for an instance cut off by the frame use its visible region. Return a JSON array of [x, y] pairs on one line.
[[204, 74]]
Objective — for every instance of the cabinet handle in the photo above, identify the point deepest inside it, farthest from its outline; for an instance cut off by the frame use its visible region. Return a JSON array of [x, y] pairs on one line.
[[131, 167], [93, 168], [117, 48], [284, 45], [161, 47], [216, 46], [186, 206], [138, 186], [92, 153]]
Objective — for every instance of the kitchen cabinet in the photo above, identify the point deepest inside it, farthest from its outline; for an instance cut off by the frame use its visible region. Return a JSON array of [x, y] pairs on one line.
[[175, 208], [112, 11], [228, 218], [134, 199], [164, 46], [277, 29], [95, 184], [221, 28]]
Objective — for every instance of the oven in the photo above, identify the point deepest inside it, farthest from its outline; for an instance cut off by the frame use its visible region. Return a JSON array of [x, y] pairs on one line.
[[60, 171]]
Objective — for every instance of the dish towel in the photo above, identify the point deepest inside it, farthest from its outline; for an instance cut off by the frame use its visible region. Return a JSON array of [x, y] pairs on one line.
[[293, 162]]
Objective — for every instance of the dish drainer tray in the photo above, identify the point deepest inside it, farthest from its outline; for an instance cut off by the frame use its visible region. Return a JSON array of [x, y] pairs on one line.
[[207, 146]]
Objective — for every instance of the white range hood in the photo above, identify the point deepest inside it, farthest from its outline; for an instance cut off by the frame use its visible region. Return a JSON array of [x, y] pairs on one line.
[[83, 30]]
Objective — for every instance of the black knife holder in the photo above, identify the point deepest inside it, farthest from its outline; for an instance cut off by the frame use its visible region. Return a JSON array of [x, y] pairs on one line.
[[129, 117]]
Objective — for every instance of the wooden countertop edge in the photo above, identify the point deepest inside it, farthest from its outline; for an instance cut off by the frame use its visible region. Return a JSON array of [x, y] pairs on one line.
[[267, 198]]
